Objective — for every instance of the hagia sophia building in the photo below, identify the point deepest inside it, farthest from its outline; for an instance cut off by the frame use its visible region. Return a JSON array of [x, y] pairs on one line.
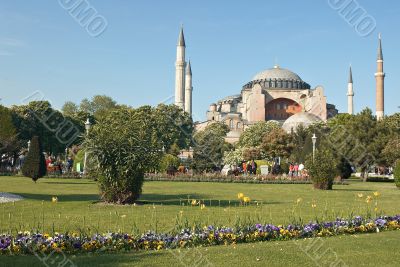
[[275, 94]]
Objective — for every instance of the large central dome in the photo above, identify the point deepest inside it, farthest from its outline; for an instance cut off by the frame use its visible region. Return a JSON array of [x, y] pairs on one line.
[[277, 73]]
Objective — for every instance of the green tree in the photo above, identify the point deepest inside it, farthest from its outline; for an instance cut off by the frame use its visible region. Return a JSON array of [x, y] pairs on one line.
[[322, 169], [98, 106], [277, 143], [34, 164], [38, 118], [251, 153], [253, 135], [209, 147], [168, 161], [8, 133], [391, 152], [125, 144], [233, 157], [344, 168], [69, 109], [175, 127]]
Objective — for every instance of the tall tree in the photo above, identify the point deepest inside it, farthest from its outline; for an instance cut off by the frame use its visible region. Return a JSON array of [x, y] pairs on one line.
[[175, 127], [209, 147], [277, 143], [98, 106], [69, 109], [253, 135], [8, 133], [38, 118]]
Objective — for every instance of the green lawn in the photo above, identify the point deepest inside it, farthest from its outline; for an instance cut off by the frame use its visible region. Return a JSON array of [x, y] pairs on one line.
[[165, 202]]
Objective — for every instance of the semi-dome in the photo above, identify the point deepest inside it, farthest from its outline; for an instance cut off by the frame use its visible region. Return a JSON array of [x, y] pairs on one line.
[[277, 73], [301, 118]]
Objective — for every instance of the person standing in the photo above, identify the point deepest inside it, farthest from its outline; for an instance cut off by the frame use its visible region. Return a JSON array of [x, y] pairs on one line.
[[296, 170]]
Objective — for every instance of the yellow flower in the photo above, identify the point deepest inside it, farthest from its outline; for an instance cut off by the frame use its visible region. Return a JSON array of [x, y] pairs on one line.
[[376, 209], [313, 204], [299, 200], [240, 196], [54, 199], [360, 195], [377, 194], [246, 199], [368, 199], [202, 206]]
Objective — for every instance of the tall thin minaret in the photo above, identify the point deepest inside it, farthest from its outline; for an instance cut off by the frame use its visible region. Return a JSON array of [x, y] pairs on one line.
[[380, 83], [188, 89], [180, 71], [350, 94]]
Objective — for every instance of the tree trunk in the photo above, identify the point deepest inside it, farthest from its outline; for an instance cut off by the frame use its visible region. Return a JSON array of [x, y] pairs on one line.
[[364, 174]]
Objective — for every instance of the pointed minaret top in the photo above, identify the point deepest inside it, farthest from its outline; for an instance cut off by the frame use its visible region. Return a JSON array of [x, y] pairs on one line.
[[380, 54], [181, 40], [350, 76], [188, 69]]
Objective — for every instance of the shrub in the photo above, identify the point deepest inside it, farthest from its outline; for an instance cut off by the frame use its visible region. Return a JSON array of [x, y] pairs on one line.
[[125, 145], [323, 169], [344, 168], [168, 161], [34, 164], [396, 173]]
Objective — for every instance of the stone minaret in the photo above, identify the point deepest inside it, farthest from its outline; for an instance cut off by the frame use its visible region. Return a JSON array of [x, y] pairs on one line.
[[180, 72], [350, 94], [380, 86], [188, 89]]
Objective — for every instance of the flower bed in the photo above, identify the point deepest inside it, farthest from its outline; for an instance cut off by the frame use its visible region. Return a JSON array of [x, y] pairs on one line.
[[32, 243], [218, 178]]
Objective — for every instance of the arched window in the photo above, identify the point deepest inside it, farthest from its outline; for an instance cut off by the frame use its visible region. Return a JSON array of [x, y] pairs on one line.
[[231, 125]]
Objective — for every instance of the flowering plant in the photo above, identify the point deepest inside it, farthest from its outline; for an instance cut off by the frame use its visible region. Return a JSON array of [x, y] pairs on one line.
[[72, 242]]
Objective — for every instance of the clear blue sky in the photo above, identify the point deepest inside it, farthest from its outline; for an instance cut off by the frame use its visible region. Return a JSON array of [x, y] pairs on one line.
[[43, 48]]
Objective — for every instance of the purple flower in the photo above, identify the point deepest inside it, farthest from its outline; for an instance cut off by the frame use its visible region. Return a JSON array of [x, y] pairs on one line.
[[5, 242]]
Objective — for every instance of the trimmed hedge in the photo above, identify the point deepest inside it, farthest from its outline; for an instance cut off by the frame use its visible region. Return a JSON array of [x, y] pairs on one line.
[[34, 165]]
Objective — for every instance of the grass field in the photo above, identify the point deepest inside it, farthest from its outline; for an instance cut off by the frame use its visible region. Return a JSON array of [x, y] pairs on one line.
[[166, 202]]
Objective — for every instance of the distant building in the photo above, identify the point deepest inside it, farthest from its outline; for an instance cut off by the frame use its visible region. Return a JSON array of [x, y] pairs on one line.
[[275, 94]]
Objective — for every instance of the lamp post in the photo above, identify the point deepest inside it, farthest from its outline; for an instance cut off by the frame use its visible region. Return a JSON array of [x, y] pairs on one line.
[[29, 144], [314, 141], [87, 127], [66, 155]]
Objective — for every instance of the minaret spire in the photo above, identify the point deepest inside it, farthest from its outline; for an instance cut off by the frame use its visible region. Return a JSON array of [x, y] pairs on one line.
[[180, 71], [350, 75], [350, 94], [181, 39], [380, 54], [188, 89], [380, 83]]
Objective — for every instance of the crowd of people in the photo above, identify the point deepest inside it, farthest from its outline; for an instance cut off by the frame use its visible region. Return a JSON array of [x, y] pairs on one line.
[[53, 164]]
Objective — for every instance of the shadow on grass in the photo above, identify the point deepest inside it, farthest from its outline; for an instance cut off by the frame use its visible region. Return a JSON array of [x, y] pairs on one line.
[[61, 198], [77, 183], [352, 190], [180, 199]]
